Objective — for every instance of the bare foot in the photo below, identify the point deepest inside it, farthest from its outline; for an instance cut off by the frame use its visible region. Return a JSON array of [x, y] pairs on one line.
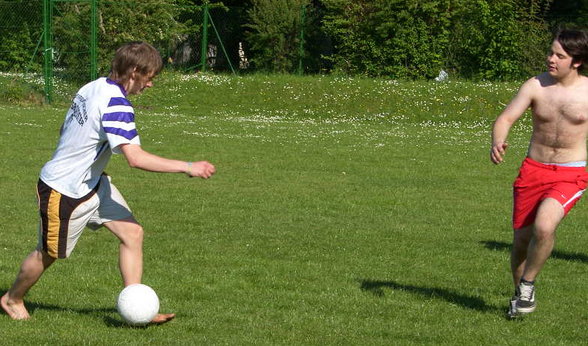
[[162, 318], [16, 311]]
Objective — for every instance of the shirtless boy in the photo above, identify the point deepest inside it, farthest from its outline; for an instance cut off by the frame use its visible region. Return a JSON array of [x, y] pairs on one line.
[[553, 176]]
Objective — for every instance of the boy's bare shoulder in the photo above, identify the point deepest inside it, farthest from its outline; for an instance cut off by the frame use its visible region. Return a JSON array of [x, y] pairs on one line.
[[584, 80], [534, 86], [543, 80]]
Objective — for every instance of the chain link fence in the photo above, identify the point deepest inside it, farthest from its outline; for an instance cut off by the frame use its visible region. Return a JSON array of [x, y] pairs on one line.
[[85, 34], [21, 35], [21, 44], [75, 40]]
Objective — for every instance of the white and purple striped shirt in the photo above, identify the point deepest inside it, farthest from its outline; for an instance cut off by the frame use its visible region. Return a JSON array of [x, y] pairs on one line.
[[99, 120]]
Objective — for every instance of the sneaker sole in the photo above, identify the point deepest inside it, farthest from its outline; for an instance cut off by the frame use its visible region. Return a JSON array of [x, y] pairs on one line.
[[526, 310]]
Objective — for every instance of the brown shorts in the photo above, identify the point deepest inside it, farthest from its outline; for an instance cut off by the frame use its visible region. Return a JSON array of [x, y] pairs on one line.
[[62, 218]]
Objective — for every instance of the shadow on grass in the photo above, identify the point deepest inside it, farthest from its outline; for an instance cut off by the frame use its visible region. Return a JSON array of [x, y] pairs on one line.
[[469, 302], [562, 255], [98, 312]]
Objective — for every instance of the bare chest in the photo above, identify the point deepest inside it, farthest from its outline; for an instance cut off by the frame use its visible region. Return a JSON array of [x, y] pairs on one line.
[[553, 108]]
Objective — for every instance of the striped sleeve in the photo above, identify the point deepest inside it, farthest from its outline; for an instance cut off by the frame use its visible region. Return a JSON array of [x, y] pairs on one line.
[[118, 121]]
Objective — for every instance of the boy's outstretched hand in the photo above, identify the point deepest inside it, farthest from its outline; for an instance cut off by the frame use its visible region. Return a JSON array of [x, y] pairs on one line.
[[202, 169]]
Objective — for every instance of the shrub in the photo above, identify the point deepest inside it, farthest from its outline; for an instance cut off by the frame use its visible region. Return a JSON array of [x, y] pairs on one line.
[[498, 39], [484, 39], [274, 34], [398, 39]]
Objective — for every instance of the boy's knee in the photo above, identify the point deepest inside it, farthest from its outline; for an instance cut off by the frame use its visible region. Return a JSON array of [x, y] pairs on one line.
[[133, 234], [543, 232]]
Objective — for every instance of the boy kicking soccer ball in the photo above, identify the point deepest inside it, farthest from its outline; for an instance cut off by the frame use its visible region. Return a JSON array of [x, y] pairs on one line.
[[73, 190]]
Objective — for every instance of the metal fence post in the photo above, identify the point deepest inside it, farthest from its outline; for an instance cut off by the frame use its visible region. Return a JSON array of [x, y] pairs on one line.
[[94, 40], [204, 42], [48, 49], [220, 41], [301, 45]]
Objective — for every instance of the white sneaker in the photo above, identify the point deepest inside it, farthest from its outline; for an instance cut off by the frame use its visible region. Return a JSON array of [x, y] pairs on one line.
[[526, 302], [512, 307]]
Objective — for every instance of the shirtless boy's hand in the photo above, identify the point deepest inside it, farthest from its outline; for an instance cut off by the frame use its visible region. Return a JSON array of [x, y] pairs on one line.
[[497, 152]]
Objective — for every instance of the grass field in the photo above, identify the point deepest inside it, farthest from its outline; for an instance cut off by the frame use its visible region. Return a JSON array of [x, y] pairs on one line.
[[344, 211]]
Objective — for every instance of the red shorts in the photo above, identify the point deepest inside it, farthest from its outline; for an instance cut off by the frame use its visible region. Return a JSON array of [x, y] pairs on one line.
[[537, 181]]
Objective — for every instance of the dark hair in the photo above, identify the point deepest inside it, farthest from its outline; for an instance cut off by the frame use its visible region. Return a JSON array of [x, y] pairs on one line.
[[575, 43], [140, 57]]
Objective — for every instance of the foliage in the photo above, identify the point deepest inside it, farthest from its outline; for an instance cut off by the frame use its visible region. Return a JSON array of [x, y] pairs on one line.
[[21, 25], [489, 39], [154, 21], [404, 39], [498, 39], [16, 50], [400, 39], [568, 13], [20, 90], [274, 35], [119, 22]]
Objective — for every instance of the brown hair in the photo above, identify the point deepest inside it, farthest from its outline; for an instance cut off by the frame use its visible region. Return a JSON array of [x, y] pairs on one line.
[[140, 57], [575, 43]]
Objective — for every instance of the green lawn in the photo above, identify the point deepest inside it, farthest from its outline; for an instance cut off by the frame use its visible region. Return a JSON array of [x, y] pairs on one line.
[[344, 211]]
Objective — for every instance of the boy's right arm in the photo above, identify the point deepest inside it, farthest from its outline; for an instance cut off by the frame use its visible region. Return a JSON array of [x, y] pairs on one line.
[[139, 158], [515, 109]]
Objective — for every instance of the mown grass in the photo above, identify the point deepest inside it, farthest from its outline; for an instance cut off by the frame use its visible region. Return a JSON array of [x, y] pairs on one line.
[[344, 211]]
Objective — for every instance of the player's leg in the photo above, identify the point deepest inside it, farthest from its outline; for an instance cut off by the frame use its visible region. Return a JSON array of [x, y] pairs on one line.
[[116, 216], [30, 271], [130, 234], [62, 220], [518, 257], [549, 215]]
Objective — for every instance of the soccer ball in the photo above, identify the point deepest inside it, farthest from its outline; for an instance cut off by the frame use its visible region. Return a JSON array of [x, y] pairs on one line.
[[137, 304]]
